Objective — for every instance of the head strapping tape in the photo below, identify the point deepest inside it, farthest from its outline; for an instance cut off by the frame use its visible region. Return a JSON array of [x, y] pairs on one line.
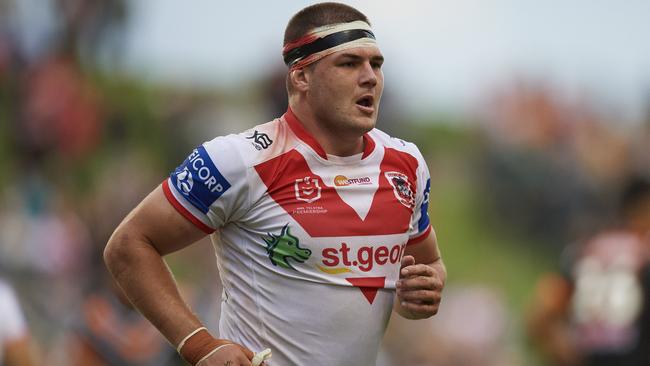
[[326, 40]]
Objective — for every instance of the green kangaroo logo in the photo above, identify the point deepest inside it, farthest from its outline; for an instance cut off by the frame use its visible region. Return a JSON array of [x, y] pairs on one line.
[[284, 246]]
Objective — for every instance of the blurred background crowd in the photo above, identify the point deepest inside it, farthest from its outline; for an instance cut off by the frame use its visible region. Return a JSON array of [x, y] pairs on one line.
[[521, 177]]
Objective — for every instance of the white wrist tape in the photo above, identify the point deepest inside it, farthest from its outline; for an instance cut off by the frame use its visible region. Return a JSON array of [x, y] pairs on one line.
[[180, 345]]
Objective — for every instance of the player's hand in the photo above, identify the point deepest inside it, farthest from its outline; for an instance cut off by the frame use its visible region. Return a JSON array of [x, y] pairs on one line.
[[419, 289], [231, 355]]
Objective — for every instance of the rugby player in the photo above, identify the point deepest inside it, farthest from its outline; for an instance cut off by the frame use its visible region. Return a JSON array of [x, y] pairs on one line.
[[596, 311], [319, 220]]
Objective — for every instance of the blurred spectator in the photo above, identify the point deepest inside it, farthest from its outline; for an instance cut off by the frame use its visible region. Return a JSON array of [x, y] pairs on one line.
[[275, 92], [41, 232], [597, 312], [61, 110], [110, 331], [15, 343], [552, 160]]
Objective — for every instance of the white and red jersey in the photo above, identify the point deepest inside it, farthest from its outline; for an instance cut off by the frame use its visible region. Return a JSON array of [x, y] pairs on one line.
[[609, 306], [308, 244]]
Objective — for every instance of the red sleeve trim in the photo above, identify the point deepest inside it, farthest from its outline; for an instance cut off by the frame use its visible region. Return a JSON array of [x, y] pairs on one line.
[[421, 237], [183, 211]]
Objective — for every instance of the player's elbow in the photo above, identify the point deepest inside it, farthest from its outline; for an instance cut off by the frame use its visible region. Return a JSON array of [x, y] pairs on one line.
[[120, 250], [114, 252]]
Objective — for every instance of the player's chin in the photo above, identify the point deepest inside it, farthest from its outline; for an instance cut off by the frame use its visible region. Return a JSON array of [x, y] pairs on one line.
[[365, 123]]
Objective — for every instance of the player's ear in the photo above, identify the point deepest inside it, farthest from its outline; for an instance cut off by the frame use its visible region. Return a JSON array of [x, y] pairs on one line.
[[299, 79]]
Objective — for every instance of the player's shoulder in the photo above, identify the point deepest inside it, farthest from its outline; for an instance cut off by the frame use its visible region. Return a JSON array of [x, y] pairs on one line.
[[388, 141], [254, 145]]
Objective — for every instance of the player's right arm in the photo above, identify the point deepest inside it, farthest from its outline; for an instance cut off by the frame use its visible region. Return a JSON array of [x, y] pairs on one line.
[[134, 255]]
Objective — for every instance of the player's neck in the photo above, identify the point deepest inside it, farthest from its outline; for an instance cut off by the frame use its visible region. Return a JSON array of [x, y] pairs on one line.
[[333, 142]]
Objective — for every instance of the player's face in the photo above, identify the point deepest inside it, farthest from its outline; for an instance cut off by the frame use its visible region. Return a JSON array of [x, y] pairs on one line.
[[345, 89]]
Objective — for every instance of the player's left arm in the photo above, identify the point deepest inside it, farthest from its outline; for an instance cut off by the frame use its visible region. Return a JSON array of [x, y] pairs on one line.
[[421, 279]]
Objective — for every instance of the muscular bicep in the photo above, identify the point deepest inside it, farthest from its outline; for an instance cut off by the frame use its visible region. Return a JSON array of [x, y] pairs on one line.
[[158, 223], [425, 251]]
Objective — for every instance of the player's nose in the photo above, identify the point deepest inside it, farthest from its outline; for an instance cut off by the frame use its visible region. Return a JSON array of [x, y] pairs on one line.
[[367, 76]]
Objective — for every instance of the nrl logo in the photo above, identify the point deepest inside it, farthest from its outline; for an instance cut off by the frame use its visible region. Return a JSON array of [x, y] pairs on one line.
[[260, 140], [307, 189], [284, 246], [401, 188]]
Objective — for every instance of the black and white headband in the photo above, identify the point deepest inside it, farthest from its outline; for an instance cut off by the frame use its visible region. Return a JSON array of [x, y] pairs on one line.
[[325, 40]]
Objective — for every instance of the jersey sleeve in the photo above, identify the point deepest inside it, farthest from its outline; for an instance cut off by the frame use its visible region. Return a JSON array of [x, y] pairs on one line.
[[210, 187], [420, 224], [11, 317]]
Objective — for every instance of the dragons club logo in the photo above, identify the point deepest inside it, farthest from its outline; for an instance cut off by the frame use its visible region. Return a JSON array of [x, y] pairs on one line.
[[184, 181], [281, 248], [307, 189], [401, 188]]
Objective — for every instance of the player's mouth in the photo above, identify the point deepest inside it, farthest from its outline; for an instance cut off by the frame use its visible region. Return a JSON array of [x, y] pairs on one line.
[[366, 104]]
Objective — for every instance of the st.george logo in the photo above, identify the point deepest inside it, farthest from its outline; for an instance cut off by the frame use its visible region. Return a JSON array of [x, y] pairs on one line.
[[281, 248], [184, 181], [401, 188], [307, 189], [260, 140]]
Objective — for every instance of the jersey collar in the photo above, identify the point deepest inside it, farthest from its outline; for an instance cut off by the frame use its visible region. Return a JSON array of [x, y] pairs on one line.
[[298, 129]]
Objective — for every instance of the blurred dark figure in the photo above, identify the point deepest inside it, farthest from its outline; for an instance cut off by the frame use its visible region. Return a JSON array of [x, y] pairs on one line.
[[550, 160], [109, 331], [275, 92], [61, 110], [597, 312]]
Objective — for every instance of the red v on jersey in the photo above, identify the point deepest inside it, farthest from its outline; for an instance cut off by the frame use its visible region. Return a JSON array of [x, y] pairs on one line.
[[368, 286], [328, 215]]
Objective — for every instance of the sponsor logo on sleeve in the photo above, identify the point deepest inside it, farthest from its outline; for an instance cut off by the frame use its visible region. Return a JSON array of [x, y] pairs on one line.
[[184, 181], [199, 180]]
